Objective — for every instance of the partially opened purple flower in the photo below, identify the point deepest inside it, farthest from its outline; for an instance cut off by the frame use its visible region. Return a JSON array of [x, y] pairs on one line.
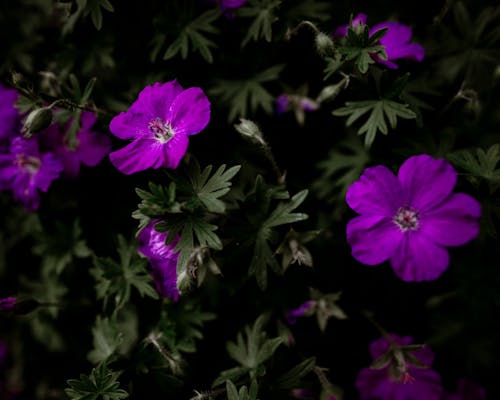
[[410, 219], [25, 171], [396, 41], [90, 147], [414, 383], [162, 258], [159, 123]]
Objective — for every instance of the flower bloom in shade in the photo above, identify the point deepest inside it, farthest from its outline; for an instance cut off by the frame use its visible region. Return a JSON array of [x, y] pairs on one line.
[[306, 308], [90, 147], [7, 303], [9, 115], [410, 219], [162, 258], [25, 171], [159, 123], [467, 390], [396, 41], [415, 382]]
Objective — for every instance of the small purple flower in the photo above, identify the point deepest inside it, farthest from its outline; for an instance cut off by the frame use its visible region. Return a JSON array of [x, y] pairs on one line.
[[467, 390], [286, 102], [396, 41], [410, 219], [9, 115], [91, 147], [162, 258], [7, 303], [304, 309], [25, 171], [159, 123], [416, 383]]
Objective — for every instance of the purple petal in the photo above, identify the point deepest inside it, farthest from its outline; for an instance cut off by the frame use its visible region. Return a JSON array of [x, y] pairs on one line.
[[87, 120], [50, 169], [232, 3], [419, 259], [454, 222], [373, 239], [165, 277], [174, 150], [92, 147], [143, 153], [377, 192], [156, 100], [292, 315], [190, 112], [380, 346], [396, 34], [22, 146], [360, 19], [426, 181]]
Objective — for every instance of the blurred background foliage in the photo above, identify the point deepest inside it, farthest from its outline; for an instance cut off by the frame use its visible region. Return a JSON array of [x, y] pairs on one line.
[[244, 60]]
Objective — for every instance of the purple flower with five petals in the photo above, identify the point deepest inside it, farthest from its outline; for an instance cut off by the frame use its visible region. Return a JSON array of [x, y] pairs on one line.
[[91, 147], [26, 171], [162, 258], [417, 383], [159, 123], [410, 219], [396, 41]]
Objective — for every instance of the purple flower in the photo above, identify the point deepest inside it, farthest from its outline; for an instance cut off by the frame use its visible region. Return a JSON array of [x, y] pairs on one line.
[[9, 115], [416, 383], [26, 171], [396, 41], [91, 147], [410, 219], [162, 258], [285, 102], [7, 303], [159, 123], [306, 308], [467, 390]]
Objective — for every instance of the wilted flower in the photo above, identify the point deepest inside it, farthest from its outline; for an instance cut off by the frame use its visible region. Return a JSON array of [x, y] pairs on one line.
[[396, 40], [159, 123], [402, 375], [410, 219], [90, 147], [25, 171], [162, 258]]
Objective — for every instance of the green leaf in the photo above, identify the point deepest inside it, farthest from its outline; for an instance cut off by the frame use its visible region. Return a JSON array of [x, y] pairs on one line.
[[210, 189], [262, 12], [340, 169], [247, 95], [114, 280], [251, 349], [192, 37], [291, 379], [479, 164], [106, 339], [380, 110], [102, 383]]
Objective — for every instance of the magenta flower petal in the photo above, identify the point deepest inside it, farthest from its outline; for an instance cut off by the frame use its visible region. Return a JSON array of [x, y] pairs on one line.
[[397, 42], [381, 345], [427, 181], [156, 100], [419, 259], [130, 124], [360, 19], [174, 150], [377, 192], [373, 238], [50, 169], [232, 3], [292, 315], [454, 222], [143, 153], [190, 112]]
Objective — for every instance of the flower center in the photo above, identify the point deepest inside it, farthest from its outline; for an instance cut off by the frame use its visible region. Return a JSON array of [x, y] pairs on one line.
[[406, 218], [28, 164], [162, 130]]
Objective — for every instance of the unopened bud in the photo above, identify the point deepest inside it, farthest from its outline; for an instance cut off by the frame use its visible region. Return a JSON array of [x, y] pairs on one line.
[[250, 130], [324, 44], [37, 120]]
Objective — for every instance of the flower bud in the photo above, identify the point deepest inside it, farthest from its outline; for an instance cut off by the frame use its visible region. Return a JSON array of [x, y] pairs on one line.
[[250, 130], [37, 120], [324, 44]]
